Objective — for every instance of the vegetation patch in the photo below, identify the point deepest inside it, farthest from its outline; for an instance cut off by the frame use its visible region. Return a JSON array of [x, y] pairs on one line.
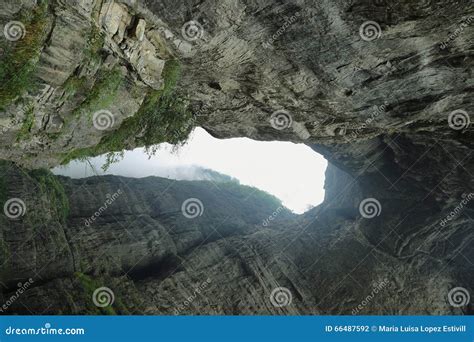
[[91, 57], [73, 85], [28, 122], [20, 58], [102, 94], [163, 117], [51, 186], [94, 45], [89, 285]]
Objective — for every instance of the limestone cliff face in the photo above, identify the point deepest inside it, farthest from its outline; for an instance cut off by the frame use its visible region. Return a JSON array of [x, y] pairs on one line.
[[381, 89], [130, 235], [330, 72]]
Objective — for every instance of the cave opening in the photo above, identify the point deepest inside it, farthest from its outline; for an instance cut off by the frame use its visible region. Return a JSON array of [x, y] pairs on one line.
[[293, 173]]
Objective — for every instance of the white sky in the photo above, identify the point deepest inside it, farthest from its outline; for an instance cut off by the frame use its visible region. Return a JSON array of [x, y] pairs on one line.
[[292, 172]]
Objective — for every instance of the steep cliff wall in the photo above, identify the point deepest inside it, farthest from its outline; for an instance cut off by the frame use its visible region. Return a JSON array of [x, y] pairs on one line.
[[133, 237], [85, 77], [381, 89]]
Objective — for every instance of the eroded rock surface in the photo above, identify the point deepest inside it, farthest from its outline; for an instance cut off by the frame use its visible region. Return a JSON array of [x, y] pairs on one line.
[[389, 105], [339, 71]]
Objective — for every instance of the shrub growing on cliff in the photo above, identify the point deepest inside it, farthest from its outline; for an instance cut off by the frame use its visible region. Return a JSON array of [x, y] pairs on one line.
[[163, 117], [52, 187], [20, 58], [28, 122], [103, 93]]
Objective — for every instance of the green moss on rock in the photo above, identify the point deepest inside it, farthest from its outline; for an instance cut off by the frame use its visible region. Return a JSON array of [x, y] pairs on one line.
[[51, 186], [89, 285], [162, 117], [20, 58], [102, 94]]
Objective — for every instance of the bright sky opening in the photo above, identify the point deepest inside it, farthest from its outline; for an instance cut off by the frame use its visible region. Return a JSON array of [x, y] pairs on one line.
[[294, 173]]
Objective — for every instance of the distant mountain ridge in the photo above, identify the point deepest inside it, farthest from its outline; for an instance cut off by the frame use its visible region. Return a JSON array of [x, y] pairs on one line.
[[187, 172]]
